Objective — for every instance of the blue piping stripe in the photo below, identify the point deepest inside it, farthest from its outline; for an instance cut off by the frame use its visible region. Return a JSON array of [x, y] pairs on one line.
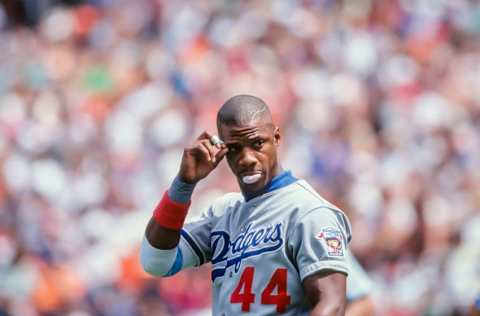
[[217, 273], [177, 265], [194, 246]]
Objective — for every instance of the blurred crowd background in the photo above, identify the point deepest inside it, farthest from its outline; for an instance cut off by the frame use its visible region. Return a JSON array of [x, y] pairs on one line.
[[378, 102]]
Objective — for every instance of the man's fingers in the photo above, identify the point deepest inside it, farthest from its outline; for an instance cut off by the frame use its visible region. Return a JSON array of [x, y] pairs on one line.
[[205, 144], [208, 143], [203, 151], [204, 135], [214, 140], [220, 154]]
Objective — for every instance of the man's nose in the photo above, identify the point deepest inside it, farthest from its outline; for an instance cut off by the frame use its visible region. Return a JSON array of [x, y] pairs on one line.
[[247, 159]]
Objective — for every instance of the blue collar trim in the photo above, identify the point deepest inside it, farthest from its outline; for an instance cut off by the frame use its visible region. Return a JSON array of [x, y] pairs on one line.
[[282, 180]]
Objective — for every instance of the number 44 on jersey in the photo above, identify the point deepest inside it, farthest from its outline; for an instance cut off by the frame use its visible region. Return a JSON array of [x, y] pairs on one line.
[[243, 292]]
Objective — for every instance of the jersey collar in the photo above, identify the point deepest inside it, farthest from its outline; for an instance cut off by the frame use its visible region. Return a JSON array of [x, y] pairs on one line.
[[282, 180]]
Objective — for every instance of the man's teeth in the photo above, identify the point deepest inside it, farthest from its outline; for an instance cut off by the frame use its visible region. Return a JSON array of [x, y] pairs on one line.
[[251, 179]]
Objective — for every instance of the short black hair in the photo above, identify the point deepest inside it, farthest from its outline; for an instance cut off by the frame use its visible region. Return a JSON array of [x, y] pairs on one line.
[[243, 109]]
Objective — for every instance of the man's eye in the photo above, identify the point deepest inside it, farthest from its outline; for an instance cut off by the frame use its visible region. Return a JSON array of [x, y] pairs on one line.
[[258, 144]]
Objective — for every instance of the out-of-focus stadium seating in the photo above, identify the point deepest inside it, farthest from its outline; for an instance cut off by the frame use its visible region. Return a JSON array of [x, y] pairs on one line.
[[378, 102]]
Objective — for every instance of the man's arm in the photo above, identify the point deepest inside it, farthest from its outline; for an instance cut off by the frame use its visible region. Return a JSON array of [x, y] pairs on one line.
[[160, 254], [325, 292], [319, 244], [197, 162]]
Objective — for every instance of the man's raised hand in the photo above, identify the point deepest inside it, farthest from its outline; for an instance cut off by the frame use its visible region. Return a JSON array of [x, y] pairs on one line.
[[200, 159]]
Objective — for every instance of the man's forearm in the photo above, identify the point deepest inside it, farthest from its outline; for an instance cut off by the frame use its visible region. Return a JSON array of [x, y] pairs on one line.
[[158, 235], [159, 255], [326, 293]]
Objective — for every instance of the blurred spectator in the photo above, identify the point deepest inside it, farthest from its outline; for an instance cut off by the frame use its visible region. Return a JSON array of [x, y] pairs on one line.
[[378, 100]]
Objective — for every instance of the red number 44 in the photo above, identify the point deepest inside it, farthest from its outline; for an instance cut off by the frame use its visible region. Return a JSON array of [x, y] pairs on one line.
[[243, 292]]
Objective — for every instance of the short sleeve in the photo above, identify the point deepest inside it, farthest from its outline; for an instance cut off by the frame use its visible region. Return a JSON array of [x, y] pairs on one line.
[[319, 241], [195, 239]]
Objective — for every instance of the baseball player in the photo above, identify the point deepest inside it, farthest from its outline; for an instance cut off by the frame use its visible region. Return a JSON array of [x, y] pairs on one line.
[[276, 248]]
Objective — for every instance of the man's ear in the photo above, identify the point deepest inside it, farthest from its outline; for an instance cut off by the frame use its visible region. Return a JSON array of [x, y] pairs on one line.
[[276, 136]]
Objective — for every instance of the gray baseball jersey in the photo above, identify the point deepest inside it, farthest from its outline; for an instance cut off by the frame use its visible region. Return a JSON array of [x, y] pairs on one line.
[[262, 249]]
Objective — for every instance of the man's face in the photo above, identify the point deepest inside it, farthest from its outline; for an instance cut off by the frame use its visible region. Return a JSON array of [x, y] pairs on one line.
[[252, 153]]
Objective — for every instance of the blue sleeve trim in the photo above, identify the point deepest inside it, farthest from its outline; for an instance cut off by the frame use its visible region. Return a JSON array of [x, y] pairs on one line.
[[477, 303], [193, 245], [177, 264]]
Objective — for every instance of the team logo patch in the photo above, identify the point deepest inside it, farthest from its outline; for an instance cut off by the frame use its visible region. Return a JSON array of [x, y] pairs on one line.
[[333, 239]]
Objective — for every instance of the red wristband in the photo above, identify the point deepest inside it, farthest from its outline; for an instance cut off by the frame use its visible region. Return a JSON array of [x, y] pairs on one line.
[[170, 214]]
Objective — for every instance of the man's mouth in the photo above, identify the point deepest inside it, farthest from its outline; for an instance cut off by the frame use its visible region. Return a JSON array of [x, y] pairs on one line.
[[251, 177]]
